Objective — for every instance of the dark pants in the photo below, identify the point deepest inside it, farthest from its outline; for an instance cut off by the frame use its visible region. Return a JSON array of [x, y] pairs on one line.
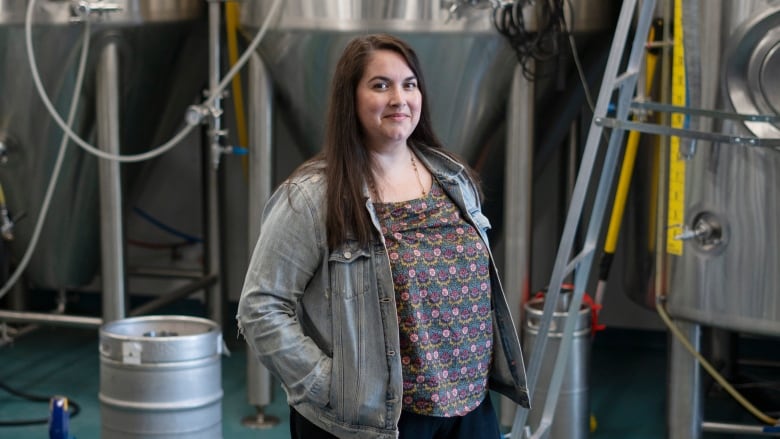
[[480, 423]]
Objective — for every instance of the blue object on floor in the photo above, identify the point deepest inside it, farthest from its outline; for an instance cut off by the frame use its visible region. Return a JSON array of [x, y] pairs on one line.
[[59, 418]]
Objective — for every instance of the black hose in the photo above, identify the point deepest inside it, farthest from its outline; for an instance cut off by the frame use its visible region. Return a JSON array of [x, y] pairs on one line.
[[73, 408], [537, 41]]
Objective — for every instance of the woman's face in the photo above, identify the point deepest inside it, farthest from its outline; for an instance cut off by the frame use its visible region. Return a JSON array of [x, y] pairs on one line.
[[388, 100]]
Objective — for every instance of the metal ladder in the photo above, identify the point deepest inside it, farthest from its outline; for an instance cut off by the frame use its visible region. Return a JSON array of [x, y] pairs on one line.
[[625, 85]]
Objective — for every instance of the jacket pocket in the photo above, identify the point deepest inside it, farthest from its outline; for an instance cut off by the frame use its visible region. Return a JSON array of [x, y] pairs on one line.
[[348, 266], [358, 380]]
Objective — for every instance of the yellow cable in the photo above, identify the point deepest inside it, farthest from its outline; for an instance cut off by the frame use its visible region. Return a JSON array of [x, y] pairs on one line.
[[231, 24], [710, 369], [629, 158]]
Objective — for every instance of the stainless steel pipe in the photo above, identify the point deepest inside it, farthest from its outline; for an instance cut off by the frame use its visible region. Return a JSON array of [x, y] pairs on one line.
[[259, 392], [111, 220], [721, 427], [50, 319], [517, 204], [211, 171]]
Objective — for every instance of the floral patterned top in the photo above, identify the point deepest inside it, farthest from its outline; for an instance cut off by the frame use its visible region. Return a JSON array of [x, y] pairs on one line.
[[441, 274]]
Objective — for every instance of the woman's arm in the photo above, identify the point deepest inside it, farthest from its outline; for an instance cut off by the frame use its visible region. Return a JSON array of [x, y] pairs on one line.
[[286, 257]]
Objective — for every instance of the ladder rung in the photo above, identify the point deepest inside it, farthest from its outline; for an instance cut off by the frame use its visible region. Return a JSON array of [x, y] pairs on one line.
[[586, 252], [715, 114], [625, 76], [664, 130]]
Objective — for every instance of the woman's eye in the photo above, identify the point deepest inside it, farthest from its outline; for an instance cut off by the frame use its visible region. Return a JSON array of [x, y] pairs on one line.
[[380, 86], [411, 85]]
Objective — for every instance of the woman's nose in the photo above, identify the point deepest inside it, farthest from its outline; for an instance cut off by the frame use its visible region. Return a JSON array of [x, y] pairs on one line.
[[397, 98]]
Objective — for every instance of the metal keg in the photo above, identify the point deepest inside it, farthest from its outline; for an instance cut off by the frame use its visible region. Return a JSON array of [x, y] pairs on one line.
[[161, 377], [572, 416]]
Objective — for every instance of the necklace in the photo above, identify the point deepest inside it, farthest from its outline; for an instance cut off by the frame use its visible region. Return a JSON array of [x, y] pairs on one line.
[[417, 173], [375, 193]]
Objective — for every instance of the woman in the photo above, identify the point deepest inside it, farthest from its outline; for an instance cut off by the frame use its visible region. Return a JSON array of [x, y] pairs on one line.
[[372, 294]]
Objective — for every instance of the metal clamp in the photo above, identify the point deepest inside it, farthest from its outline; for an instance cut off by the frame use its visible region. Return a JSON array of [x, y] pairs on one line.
[[454, 7], [196, 114], [82, 9]]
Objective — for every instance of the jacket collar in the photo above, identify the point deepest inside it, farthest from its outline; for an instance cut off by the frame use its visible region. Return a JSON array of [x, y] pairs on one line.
[[439, 164], [442, 166]]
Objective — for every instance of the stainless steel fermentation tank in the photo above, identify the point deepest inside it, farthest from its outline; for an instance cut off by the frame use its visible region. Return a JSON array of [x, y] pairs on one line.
[[153, 37], [467, 64], [729, 278]]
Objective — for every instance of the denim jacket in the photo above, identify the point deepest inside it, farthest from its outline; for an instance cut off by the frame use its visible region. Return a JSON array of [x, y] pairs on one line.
[[323, 321]]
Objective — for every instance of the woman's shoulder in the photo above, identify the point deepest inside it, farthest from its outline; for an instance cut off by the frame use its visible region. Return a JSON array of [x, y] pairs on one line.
[[302, 192], [308, 177], [308, 180]]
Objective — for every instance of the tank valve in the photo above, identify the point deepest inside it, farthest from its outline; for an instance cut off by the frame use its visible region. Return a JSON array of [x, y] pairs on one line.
[[707, 231]]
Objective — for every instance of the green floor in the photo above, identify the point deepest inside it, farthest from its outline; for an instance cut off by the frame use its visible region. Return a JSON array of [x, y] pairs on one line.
[[627, 388]]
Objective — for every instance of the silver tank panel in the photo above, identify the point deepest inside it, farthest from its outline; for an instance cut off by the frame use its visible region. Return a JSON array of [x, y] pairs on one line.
[[152, 35]]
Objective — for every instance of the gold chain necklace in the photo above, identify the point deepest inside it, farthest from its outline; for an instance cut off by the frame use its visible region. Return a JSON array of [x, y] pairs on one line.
[[375, 193], [417, 173]]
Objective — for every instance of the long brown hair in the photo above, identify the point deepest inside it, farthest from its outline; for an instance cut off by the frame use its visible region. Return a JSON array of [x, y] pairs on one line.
[[347, 160]]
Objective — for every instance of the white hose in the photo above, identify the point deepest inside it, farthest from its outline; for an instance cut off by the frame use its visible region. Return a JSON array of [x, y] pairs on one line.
[[162, 148], [56, 171], [245, 56]]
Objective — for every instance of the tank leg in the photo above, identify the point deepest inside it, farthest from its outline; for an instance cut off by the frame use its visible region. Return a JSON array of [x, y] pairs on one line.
[[517, 201], [259, 392], [684, 394], [260, 420], [213, 177], [111, 233]]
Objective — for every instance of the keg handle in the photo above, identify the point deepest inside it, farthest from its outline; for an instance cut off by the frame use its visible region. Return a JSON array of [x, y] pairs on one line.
[[131, 352]]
